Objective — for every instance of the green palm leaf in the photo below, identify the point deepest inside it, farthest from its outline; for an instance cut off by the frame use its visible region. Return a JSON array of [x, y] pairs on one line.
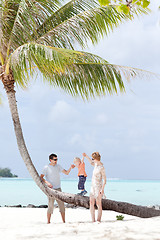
[[78, 73], [20, 17], [79, 21], [67, 11], [91, 24], [48, 23]]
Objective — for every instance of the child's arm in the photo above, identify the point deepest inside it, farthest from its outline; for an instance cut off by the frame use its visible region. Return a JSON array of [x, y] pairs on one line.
[[91, 162]]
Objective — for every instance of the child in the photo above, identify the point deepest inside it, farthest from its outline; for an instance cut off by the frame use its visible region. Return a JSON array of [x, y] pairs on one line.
[[81, 174]]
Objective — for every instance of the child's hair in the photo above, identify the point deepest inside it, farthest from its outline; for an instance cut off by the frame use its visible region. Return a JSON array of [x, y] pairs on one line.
[[96, 156], [77, 159]]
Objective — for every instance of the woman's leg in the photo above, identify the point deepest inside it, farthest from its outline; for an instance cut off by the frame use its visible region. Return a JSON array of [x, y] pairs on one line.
[[99, 206], [92, 208]]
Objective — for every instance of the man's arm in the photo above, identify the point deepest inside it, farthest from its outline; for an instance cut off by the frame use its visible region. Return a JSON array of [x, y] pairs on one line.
[[91, 162], [45, 181], [68, 171]]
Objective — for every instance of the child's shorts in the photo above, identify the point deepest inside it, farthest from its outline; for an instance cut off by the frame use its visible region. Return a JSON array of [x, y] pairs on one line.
[[81, 183]]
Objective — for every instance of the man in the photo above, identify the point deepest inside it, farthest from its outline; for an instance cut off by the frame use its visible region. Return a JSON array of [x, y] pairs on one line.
[[51, 173]]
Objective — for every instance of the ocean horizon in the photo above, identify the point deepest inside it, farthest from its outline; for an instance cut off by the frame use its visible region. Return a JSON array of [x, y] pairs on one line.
[[24, 191]]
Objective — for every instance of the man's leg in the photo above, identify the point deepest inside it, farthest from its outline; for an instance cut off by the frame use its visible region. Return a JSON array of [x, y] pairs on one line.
[[48, 217], [63, 216], [61, 209], [50, 208]]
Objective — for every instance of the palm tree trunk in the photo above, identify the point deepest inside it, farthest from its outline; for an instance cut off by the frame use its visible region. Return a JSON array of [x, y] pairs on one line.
[[122, 207], [21, 143], [8, 82]]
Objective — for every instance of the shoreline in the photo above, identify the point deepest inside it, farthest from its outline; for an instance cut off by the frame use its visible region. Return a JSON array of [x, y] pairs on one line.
[[67, 205], [88, 179]]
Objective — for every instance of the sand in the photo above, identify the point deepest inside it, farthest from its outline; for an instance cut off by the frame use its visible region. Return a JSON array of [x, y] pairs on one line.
[[27, 224]]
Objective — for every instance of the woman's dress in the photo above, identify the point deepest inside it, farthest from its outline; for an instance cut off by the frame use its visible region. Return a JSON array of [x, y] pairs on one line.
[[98, 175]]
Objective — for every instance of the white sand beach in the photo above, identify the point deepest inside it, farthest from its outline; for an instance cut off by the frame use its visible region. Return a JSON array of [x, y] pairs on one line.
[[27, 223]]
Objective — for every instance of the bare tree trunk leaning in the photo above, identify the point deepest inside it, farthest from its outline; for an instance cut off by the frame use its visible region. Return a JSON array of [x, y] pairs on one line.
[[121, 207], [8, 82]]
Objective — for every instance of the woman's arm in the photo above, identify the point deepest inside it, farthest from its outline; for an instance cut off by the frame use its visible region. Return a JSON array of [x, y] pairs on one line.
[[91, 162], [104, 180], [82, 160]]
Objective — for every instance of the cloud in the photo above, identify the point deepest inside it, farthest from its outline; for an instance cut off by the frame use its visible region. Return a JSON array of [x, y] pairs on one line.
[[63, 112], [135, 43], [125, 129], [83, 141], [101, 119], [76, 139]]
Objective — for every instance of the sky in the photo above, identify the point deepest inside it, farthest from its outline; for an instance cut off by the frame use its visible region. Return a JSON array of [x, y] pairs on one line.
[[125, 129]]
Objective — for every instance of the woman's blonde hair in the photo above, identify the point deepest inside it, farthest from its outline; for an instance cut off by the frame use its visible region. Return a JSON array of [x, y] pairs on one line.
[[77, 159], [96, 156]]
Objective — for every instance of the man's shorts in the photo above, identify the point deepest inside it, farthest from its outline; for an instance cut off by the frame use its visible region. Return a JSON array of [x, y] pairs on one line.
[[81, 183], [51, 201]]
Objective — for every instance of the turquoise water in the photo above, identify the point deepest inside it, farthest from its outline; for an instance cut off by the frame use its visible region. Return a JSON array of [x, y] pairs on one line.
[[25, 191]]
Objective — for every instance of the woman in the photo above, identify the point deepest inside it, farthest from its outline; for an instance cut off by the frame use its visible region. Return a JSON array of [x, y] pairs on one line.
[[97, 187]]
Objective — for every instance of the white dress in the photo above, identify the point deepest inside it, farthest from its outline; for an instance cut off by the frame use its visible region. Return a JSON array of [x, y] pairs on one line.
[[98, 175]]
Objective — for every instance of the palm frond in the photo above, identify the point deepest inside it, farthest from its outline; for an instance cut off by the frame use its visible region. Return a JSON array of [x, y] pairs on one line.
[[78, 73], [88, 25], [81, 23], [67, 11], [19, 18], [50, 23], [9, 10]]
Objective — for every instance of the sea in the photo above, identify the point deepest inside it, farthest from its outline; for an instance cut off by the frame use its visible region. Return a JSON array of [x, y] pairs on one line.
[[14, 191]]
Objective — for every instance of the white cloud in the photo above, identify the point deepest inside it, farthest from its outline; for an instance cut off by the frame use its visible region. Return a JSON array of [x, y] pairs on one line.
[[101, 119], [63, 112], [135, 43], [126, 129], [82, 141], [76, 139]]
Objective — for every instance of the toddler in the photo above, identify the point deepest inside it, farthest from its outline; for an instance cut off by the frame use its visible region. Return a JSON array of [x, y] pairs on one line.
[[81, 174]]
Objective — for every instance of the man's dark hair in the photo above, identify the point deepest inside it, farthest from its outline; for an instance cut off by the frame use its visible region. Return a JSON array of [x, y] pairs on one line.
[[51, 156]]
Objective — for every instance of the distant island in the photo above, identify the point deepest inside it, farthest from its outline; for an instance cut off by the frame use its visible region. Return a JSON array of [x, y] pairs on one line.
[[6, 172]]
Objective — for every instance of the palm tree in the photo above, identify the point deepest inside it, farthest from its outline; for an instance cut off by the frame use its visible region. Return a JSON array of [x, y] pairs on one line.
[[40, 35]]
